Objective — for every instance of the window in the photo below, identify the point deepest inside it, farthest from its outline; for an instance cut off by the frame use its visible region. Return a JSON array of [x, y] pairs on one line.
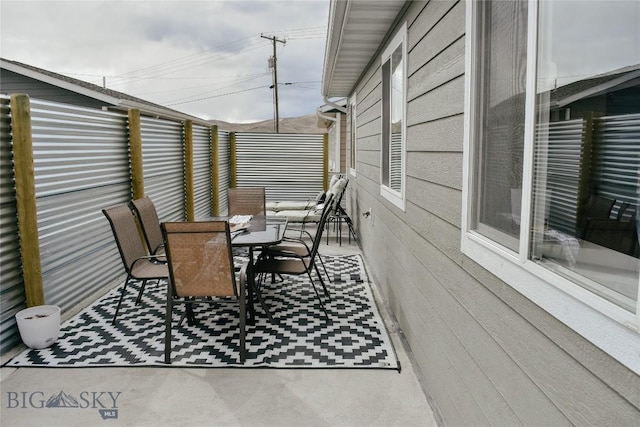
[[352, 136], [552, 160], [394, 119], [334, 145]]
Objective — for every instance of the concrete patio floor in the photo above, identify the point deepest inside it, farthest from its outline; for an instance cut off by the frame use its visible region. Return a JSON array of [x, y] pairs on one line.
[[221, 397]]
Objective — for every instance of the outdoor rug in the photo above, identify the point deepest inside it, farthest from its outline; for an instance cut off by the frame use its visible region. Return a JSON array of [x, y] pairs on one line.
[[299, 337]]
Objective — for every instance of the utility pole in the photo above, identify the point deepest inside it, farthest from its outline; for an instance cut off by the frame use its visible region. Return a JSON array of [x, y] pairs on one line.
[[275, 40]]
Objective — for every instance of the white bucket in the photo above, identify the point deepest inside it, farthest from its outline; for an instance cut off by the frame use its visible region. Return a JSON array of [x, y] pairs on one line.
[[39, 326]]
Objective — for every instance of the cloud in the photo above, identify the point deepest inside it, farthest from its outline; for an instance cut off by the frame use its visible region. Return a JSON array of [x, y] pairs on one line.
[[205, 58]]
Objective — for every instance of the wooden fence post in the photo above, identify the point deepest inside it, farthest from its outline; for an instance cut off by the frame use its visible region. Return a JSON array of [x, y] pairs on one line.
[[26, 199], [233, 161], [135, 151], [215, 184], [585, 181], [188, 171]]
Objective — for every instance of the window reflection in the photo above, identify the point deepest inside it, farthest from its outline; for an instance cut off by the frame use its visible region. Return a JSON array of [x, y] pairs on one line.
[[587, 154], [502, 58]]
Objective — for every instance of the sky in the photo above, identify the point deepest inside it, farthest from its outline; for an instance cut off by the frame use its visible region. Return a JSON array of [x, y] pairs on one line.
[[203, 58]]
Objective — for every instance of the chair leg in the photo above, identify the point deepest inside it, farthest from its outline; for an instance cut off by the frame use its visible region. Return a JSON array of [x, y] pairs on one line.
[[142, 286], [324, 268], [167, 330], [263, 304], [243, 319], [124, 288], [326, 315], [254, 287], [326, 291]]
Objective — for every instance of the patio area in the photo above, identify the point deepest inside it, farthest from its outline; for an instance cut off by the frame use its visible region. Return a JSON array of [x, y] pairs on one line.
[[223, 396]]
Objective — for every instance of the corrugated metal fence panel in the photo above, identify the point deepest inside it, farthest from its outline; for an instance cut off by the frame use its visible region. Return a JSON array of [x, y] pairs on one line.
[[224, 171], [81, 160], [12, 298], [289, 166], [163, 160], [617, 157], [562, 160], [202, 170]]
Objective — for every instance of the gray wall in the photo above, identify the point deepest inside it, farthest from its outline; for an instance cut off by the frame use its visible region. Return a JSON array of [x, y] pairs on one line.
[[488, 356], [11, 82]]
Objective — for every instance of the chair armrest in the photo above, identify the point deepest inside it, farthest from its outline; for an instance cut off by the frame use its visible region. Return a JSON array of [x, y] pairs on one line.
[[300, 241]]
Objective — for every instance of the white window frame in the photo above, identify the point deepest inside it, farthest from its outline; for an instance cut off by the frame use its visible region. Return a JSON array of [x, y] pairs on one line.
[[353, 152], [608, 326], [400, 39], [334, 144]]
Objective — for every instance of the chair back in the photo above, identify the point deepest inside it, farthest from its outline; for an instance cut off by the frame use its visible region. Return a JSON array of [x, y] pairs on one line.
[[199, 258], [246, 201], [338, 190], [125, 231], [326, 211], [146, 212]]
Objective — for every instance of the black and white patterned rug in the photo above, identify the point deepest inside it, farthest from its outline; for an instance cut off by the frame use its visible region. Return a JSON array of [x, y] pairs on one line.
[[299, 337]]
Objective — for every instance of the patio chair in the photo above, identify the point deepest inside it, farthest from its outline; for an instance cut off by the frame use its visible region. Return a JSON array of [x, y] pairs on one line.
[[314, 215], [294, 205], [298, 247], [201, 268], [145, 210], [246, 201], [290, 263], [339, 215], [137, 263]]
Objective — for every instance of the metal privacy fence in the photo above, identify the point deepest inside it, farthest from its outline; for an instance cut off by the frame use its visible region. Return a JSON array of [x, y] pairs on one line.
[[613, 161], [82, 163], [290, 166]]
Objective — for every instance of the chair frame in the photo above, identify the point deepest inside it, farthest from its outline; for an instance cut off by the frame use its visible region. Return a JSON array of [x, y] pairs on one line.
[[207, 296], [137, 263], [283, 248], [276, 262], [147, 216]]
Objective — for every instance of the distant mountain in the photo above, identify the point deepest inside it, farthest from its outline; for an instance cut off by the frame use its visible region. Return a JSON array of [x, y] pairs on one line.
[[62, 400], [302, 124]]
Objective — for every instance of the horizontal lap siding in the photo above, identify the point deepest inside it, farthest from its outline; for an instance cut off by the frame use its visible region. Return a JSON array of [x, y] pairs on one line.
[[466, 328]]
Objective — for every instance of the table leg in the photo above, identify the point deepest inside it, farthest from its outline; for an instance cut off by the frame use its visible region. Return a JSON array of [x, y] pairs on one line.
[[253, 290]]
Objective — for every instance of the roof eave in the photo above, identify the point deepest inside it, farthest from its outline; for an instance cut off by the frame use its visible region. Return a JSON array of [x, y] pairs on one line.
[[346, 27], [59, 83]]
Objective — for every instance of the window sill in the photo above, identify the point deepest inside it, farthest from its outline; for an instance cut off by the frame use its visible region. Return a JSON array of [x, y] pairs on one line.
[[609, 327], [393, 197]]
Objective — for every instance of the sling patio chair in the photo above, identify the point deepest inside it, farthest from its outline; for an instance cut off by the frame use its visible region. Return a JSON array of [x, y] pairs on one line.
[[314, 215], [298, 247], [339, 215], [135, 259], [145, 210], [246, 201], [201, 270], [273, 207], [290, 263]]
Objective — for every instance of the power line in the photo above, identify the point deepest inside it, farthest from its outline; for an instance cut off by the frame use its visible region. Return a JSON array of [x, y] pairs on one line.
[[218, 96]]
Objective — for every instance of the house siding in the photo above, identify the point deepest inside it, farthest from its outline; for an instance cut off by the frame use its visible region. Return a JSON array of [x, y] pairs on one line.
[[488, 355], [11, 82]]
